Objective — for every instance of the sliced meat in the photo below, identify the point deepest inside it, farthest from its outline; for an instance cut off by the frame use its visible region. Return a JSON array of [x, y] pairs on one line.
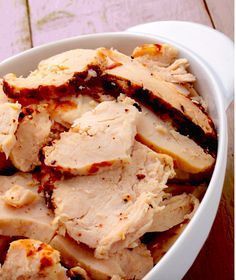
[[32, 133], [110, 210], [64, 74], [18, 196], [32, 260], [161, 137], [9, 114], [136, 80], [177, 209], [177, 72], [127, 264], [162, 61], [103, 137], [161, 54], [66, 111], [54, 77], [32, 219]]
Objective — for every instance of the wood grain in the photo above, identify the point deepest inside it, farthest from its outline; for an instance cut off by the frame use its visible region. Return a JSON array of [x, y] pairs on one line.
[[53, 20], [222, 13], [14, 28]]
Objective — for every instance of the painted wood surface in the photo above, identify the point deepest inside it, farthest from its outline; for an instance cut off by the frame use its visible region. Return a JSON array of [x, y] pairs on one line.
[[14, 28], [50, 20], [53, 20], [222, 14]]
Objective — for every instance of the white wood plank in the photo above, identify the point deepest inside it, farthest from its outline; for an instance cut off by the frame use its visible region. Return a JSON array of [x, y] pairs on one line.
[[52, 20], [14, 28], [222, 13]]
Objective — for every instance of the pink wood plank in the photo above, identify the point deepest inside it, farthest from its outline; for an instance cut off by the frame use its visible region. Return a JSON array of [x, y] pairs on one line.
[[222, 13], [52, 20], [14, 28]]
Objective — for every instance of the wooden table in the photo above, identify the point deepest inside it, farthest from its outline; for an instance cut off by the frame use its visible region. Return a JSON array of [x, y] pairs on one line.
[[28, 23]]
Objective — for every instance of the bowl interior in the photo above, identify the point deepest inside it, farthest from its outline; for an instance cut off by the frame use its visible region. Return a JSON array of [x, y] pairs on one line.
[[23, 63]]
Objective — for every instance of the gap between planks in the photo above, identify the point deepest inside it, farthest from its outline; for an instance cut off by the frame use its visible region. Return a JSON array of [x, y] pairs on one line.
[[209, 14], [29, 22]]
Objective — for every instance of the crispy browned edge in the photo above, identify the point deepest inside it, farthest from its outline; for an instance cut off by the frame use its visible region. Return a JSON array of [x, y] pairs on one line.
[[114, 86]]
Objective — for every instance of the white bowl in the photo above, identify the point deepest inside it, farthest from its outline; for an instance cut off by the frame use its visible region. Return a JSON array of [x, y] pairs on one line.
[[181, 255]]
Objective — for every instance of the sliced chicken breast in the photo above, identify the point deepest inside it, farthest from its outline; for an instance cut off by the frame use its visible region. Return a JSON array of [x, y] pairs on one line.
[[162, 61], [61, 75], [136, 80], [32, 133], [9, 113], [110, 210], [177, 209], [161, 54], [54, 77], [102, 137], [22, 209], [161, 137], [127, 264], [32, 260], [66, 111]]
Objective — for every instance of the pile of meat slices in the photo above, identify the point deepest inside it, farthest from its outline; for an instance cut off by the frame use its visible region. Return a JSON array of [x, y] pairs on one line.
[[100, 153]]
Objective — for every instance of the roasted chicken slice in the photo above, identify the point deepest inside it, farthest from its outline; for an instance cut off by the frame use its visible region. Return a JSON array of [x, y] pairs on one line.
[[177, 209], [161, 54], [69, 72], [22, 210], [126, 264], [162, 61], [110, 210], [32, 133], [9, 113], [137, 81], [102, 137], [54, 77], [32, 260], [161, 137], [67, 110]]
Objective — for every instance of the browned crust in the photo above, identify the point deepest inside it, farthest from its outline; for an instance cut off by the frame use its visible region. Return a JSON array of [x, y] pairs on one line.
[[32, 96], [154, 48], [182, 122], [96, 166], [47, 176], [114, 86]]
